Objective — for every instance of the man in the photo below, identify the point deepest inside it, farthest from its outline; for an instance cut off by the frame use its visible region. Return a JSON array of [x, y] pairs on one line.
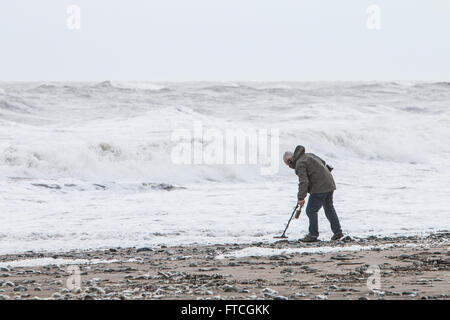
[[314, 177]]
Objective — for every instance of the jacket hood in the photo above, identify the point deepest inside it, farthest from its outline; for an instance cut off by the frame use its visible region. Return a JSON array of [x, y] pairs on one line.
[[299, 151]]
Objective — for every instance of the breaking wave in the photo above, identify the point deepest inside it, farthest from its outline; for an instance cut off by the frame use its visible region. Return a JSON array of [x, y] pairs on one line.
[[130, 85], [104, 136]]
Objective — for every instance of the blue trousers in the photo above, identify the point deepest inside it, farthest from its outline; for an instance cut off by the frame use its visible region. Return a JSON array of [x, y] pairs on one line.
[[317, 201]]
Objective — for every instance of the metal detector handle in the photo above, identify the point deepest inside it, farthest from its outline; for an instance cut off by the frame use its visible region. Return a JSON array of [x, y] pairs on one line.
[[297, 213]]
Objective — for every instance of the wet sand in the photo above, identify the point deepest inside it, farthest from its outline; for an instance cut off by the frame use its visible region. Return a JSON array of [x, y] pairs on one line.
[[408, 268]]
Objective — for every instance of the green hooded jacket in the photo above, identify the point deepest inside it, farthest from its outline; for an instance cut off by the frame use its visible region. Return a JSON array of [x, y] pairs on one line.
[[313, 174]]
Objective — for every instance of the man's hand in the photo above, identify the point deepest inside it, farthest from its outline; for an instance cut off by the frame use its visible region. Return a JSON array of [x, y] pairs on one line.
[[301, 203]]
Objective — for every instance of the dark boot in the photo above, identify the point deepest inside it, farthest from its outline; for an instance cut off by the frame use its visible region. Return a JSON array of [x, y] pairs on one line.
[[337, 236], [309, 238]]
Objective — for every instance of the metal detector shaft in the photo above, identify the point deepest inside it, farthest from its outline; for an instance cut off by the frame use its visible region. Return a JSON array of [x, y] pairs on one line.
[[287, 226]]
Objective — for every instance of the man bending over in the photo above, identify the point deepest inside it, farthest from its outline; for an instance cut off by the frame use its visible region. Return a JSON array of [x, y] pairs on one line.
[[314, 177]]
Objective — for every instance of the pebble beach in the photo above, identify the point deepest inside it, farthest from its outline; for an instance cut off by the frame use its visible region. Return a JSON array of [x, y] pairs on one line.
[[356, 268]]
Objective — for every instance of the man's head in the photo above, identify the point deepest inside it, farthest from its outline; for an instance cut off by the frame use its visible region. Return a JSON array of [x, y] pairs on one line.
[[288, 158]]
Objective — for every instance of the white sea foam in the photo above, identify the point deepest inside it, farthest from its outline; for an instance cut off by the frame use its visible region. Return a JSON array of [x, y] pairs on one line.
[[80, 163], [260, 251], [54, 262], [134, 85]]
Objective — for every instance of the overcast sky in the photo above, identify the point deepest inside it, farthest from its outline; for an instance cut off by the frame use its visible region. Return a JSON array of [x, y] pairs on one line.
[[176, 40]]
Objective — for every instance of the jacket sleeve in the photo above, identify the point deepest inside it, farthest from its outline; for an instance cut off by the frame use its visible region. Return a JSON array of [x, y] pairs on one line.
[[303, 181]]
